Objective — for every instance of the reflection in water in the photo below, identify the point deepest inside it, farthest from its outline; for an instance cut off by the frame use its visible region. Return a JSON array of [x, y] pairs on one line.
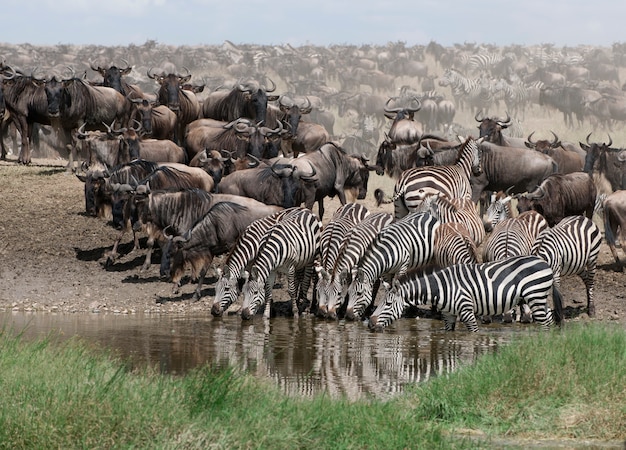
[[304, 356]]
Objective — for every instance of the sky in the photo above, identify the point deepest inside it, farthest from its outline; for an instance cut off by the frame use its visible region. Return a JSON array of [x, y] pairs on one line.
[[314, 22]]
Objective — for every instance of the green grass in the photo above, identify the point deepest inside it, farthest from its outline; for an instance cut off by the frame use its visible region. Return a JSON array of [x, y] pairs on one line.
[[567, 383]]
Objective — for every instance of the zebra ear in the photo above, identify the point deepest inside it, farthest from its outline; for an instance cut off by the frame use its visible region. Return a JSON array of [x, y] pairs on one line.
[[254, 273], [396, 284], [246, 275], [219, 272], [386, 285]]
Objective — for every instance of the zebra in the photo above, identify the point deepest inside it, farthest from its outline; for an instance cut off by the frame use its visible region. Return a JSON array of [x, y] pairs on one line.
[[469, 93], [516, 96], [460, 210], [511, 236], [481, 62], [471, 290], [333, 235], [227, 286], [399, 247], [291, 244], [351, 251], [453, 244], [452, 180], [571, 247]]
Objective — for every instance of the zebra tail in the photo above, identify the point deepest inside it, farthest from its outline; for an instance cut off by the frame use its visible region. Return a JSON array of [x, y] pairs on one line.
[[558, 305], [379, 195]]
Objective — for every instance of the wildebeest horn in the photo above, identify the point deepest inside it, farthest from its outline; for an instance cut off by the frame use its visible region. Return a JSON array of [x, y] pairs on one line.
[[72, 73], [504, 123], [311, 176], [476, 118], [621, 156], [253, 161], [588, 136], [391, 110], [273, 85], [529, 139], [81, 131], [166, 234], [12, 72], [418, 103], [610, 141], [306, 109], [95, 69], [149, 73], [556, 142]]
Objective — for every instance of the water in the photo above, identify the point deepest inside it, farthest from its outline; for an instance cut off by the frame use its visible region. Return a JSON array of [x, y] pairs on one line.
[[303, 356]]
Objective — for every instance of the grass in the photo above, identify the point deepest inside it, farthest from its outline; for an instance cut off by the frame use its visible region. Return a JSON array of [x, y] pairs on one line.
[[563, 384]]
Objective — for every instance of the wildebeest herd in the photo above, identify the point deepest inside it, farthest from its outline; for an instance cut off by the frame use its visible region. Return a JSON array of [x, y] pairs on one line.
[[236, 172]]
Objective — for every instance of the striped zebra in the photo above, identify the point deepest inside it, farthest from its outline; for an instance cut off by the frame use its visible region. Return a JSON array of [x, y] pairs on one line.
[[333, 236], [227, 286], [453, 244], [399, 247], [511, 236], [469, 93], [452, 180], [352, 250], [482, 62], [571, 247], [460, 210], [291, 245], [515, 96], [472, 290]]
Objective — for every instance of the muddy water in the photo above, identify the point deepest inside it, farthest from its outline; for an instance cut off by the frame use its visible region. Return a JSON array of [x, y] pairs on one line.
[[304, 356]]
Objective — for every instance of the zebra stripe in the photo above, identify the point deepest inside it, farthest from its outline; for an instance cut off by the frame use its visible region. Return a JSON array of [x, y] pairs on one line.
[[227, 286], [514, 236], [333, 236], [292, 245], [472, 290], [454, 245], [401, 246], [352, 250], [452, 181], [571, 247], [460, 210], [483, 61]]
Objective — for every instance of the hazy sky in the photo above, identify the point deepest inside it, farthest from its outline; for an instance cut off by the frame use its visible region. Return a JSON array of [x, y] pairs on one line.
[[316, 22]]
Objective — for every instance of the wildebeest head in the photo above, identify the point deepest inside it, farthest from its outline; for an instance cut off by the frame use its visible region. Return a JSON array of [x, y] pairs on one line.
[[542, 145], [54, 88], [292, 113], [594, 151], [491, 129], [402, 112], [255, 99], [112, 76], [171, 85], [95, 189], [143, 108]]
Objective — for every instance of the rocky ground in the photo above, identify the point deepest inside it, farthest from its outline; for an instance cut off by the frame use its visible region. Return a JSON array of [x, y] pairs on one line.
[[52, 255]]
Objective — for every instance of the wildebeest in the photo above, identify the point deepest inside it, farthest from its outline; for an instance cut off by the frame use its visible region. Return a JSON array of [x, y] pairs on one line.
[[611, 162], [404, 129], [73, 102], [214, 234], [183, 102], [26, 104], [336, 172], [213, 163], [158, 150], [615, 221], [561, 195], [566, 160], [274, 184], [112, 77], [240, 137], [247, 99], [309, 137], [157, 121]]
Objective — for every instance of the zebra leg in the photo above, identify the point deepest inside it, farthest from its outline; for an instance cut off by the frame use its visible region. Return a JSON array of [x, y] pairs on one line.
[[292, 288], [526, 314], [588, 278], [304, 277], [269, 286], [449, 321]]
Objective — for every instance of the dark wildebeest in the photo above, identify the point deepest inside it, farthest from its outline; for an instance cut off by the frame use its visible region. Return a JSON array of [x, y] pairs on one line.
[[213, 163], [157, 121], [248, 99], [336, 172], [240, 138], [404, 129], [26, 104], [615, 222], [491, 129], [310, 137], [158, 150], [73, 102], [566, 160], [611, 162], [183, 102], [214, 234], [112, 77], [561, 195], [275, 184]]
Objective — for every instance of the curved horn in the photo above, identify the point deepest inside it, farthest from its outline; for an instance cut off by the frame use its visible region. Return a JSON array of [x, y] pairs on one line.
[[273, 85], [311, 176], [610, 141], [305, 109], [95, 69], [149, 73], [505, 123], [556, 142], [418, 107], [476, 118], [81, 131], [588, 136], [391, 110], [529, 139]]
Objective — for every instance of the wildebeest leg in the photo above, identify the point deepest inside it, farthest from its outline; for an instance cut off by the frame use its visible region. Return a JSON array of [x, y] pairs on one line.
[[198, 292], [22, 127], [112, 255]]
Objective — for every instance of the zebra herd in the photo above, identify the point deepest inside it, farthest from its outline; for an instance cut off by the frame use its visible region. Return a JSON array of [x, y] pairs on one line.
[[426, 257]]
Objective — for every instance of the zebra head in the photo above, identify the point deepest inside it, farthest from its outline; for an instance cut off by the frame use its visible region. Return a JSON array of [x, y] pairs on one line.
[[336, 292], [253, 294], [359, 295], [498, 211], [389, 309], [226, 291], [321, 289]]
